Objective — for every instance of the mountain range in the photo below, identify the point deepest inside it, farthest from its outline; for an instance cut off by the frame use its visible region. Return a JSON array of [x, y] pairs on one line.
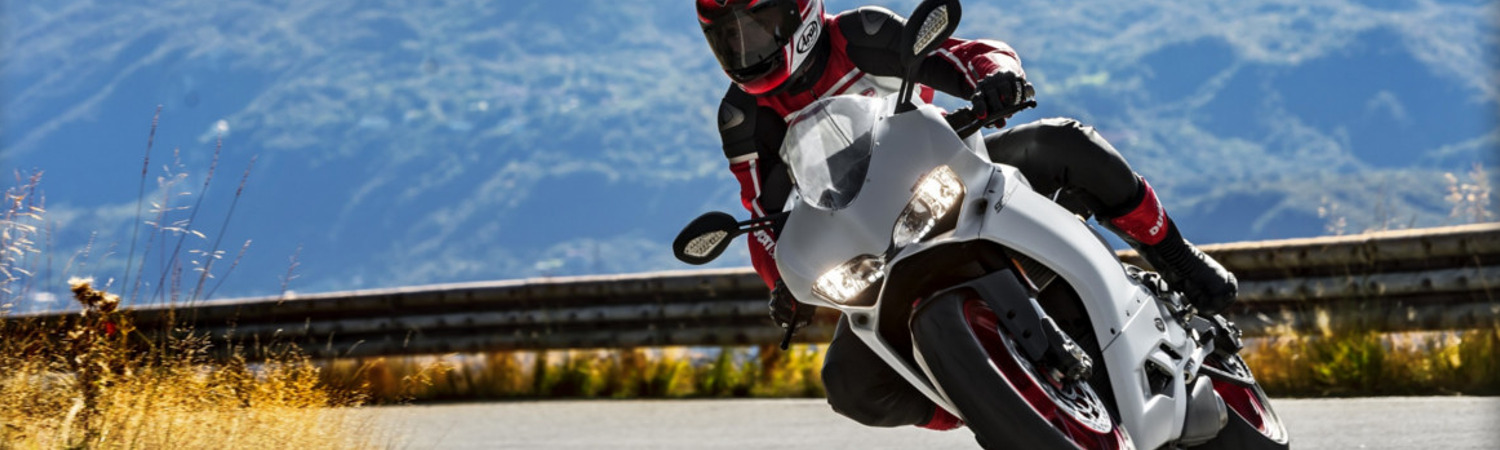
[[388, 143]]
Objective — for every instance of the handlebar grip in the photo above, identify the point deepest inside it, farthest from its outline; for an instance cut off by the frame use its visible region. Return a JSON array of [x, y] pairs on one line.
[[961, 120], [965, 122], [786, 341]]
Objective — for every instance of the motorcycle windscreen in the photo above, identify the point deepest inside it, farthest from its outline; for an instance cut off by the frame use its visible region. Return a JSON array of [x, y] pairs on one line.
[[828, 148]]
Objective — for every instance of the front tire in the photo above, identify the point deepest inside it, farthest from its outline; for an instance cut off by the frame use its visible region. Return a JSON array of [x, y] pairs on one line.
[[1005, 399]]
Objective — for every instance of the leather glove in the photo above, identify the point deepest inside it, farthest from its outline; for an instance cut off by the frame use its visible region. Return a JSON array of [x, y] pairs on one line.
[[786, 311], [997, 92]]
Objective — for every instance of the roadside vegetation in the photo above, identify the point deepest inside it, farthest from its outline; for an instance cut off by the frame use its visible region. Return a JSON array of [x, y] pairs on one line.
[[1347, 361], [92, 380], [1329, 361], [676, 372]]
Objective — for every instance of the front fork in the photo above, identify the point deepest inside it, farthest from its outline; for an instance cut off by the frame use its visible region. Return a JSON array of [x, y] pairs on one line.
[[1038, 337]]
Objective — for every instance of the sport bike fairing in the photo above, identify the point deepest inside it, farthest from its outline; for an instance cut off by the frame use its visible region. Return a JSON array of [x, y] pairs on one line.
[[856, 166], [902, 148]]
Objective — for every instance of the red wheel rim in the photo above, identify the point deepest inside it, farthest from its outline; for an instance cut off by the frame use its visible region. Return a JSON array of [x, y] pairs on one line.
[[1089, 427], [1247, 402]]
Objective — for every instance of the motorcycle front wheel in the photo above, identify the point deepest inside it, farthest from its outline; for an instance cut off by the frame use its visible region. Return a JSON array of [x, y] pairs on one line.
[[1007, 401]]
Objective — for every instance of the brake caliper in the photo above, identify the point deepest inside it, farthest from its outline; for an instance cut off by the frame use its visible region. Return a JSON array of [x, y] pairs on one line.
[[1064, 356]]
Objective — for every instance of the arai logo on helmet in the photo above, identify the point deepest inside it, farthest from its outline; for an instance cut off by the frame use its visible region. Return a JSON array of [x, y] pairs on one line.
[[807, 37], [935, 22]]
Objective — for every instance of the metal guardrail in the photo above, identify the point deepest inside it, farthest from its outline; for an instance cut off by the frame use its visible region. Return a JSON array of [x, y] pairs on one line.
[[1432, 279], [1406, 280]]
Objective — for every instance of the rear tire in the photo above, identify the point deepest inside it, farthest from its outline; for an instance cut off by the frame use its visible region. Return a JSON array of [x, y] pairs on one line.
[[1252, 425], [1004, 399]]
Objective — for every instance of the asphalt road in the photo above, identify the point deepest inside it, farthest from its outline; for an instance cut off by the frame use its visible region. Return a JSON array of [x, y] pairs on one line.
[[1367, 423]]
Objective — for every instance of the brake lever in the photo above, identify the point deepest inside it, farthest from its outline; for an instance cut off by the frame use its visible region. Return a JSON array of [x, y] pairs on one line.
[[965, 121]]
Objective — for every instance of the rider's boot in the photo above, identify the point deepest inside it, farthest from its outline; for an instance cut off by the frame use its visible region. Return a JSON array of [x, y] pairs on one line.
[[1144, 224]]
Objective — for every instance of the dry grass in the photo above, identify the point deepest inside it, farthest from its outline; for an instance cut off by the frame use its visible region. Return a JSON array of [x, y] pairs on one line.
[[175, 408], [89, 385], [615, 373]]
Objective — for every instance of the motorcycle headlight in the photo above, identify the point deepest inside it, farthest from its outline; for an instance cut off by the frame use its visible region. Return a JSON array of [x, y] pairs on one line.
[[936, 194], [844, 283]]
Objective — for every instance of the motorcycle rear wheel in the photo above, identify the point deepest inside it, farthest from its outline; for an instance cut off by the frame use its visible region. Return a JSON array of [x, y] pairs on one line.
[[1252, 425], [1004, 399]]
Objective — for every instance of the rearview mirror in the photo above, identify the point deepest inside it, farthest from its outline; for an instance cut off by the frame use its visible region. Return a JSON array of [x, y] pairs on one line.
[[928, 27], [932, 23], [705, 238]]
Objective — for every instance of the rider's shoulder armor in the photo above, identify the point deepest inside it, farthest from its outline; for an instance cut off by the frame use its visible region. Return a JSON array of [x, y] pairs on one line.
[[870, 22], [737, 116], [873, 36]]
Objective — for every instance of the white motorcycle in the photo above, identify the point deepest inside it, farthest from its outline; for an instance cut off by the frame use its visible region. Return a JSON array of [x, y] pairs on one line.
[[992, 300]]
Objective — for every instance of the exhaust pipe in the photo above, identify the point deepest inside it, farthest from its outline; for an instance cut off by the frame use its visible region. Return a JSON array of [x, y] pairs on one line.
[[1206, 414]]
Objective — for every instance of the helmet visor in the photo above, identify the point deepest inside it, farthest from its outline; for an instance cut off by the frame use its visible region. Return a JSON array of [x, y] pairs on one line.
[[748, 43]]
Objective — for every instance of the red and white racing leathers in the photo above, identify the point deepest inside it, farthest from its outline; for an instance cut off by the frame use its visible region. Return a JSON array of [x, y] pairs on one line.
[[859, 56]]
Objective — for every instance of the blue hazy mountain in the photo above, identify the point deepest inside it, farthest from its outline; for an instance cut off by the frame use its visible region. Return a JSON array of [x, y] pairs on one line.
[[399, 143]]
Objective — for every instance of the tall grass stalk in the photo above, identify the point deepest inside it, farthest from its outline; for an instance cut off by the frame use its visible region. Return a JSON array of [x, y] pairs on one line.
[[19, 223], [187, 225], [140, 196], [207, 271]]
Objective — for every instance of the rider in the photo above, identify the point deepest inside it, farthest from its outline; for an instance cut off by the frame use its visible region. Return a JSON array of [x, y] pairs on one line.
[[784, 54]]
